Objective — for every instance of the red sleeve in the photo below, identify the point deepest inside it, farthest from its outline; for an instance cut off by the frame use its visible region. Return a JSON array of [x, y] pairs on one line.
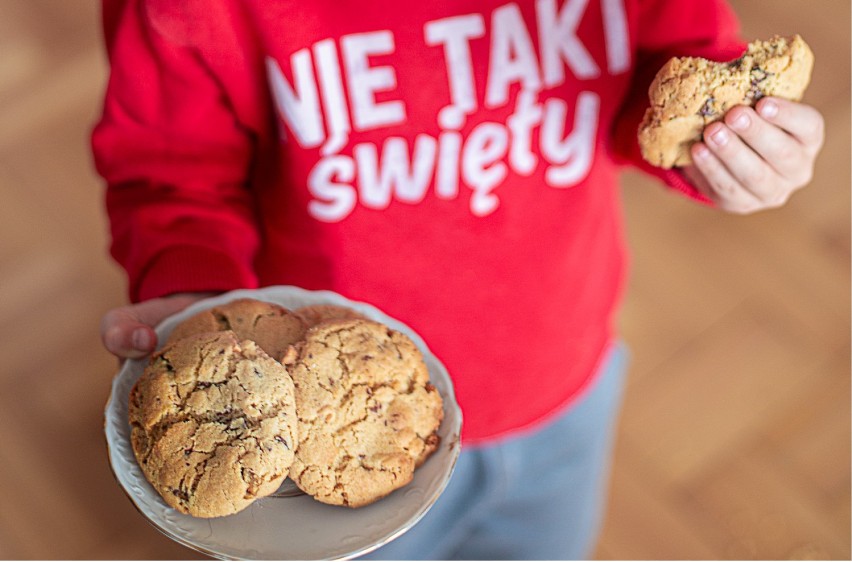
[[176, 162], [665, 29]]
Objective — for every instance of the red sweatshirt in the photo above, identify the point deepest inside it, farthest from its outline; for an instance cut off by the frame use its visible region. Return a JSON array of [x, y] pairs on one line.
[[453, 163]]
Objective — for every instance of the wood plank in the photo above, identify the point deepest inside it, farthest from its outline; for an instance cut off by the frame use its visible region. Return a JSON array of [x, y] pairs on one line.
[[673, 291], [646, 518], [752, 510], [810, 438], [704, 400]]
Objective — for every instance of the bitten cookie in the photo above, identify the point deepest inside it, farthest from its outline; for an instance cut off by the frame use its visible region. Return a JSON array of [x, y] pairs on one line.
[[689, 93], [213, 424], [319, 313], [368, 415], [272, 327]]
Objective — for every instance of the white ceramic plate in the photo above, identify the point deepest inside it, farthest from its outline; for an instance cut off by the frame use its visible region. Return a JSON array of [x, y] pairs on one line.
[[288, 527]]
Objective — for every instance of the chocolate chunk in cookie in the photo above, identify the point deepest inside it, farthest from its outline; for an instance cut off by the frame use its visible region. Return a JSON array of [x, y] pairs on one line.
[[368, 415], [213, 424], [689, 93]]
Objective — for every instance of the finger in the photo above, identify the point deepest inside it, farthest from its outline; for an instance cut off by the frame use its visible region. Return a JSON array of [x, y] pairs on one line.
[[749, 169], [783, 152], [802, 121], [719, 185], [128, 331], [125, 336]]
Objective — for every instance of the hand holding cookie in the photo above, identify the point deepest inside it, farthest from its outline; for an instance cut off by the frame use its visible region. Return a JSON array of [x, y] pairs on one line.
[[689, 94], [757, 158], [737, 129]]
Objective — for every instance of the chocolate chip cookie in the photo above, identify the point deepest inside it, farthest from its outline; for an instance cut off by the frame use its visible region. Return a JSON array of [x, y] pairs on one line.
[[213, 423], [368, 415], [273, 327], [689, 93]]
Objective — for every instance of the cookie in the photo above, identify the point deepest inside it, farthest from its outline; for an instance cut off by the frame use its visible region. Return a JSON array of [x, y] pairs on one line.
[[319, 313], [689, 93], [273, 327], [368, 415], [213, 424]]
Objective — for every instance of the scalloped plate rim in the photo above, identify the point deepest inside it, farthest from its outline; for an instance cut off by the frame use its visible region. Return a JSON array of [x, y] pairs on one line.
[[123, 467]]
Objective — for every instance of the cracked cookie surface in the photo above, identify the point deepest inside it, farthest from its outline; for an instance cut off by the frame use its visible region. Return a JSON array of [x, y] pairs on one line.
[[368, 415], [689, 93], [213, 424], [318, 313], [273, 327]]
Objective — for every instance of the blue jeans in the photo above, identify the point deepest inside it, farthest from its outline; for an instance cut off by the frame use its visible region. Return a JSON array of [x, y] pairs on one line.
[[536, 496]]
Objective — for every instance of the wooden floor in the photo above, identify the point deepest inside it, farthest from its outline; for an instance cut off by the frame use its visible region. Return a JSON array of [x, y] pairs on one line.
[[734, 441]]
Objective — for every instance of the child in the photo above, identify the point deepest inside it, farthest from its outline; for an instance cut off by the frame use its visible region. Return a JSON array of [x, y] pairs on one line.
[[454, 164]]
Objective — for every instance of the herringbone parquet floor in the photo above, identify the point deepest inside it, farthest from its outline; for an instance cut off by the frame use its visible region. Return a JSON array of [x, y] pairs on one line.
[[734, 442]]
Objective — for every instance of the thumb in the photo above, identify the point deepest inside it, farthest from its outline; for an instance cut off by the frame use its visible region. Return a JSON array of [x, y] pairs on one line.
[[128, 331]]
